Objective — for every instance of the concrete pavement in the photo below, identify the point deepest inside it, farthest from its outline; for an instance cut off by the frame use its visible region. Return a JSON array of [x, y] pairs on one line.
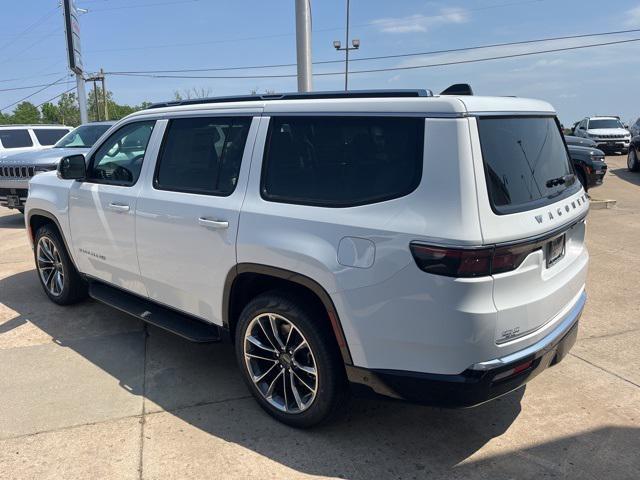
[[87, 392]]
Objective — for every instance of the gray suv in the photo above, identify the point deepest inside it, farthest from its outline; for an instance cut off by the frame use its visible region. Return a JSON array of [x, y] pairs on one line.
[[16, 170]]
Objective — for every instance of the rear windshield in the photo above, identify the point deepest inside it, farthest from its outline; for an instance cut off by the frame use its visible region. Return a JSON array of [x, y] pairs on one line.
[[49, 136], [526, 162], [605, 123], [18, 138]]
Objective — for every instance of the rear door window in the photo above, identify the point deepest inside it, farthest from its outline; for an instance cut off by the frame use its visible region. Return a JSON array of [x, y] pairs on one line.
[[49, 136], [342, 161], [15, 138], [202, 155], [526, 162]]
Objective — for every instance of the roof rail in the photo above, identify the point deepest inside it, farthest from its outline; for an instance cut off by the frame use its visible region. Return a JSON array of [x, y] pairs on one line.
[[300, 96]]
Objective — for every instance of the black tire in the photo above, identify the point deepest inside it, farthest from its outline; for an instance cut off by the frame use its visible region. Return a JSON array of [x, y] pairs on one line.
[[74, 287], [632, 160], [332, 390], [583, 180]]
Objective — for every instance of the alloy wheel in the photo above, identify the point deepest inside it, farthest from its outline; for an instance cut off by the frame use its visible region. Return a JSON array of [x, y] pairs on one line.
[[280, 363], [50, 266]]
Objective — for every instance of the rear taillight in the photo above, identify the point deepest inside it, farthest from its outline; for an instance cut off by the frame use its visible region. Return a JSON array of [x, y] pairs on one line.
[[453, 262], [471, 262]]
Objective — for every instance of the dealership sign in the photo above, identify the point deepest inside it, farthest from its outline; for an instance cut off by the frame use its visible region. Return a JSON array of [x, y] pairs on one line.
[[72, 31]]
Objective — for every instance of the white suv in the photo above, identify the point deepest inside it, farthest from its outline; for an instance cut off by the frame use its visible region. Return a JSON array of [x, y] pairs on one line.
[[426, 248], [25, 138], [608, 133]]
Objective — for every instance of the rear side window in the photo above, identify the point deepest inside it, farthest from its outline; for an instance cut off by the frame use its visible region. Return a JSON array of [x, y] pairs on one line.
[[49, 136], [342, 161], [202, 155], [526, 162], [15, 138]]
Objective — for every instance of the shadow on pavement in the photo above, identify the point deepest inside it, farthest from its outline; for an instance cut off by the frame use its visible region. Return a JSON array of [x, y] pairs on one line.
[[374, 439], [12, 221], [625, 174]]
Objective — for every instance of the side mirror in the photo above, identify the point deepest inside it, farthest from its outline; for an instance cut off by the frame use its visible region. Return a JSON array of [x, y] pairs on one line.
[[72, 167]]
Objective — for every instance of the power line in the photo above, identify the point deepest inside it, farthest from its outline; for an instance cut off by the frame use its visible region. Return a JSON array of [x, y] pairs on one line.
[[57, 96], [29, 28], [411, 67], [385, 57], [142, 5], [260, 37], [34, 93], [6, 80], [23, 88]]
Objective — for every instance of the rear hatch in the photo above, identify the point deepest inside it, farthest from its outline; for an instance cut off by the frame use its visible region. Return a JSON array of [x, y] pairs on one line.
[[532, 208]]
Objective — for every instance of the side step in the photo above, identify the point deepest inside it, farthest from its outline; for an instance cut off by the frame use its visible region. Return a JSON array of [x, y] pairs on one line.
[[181, 324]]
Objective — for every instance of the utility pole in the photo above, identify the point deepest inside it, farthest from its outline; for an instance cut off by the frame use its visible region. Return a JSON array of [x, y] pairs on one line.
[[82, 99], [338, 46], [104, 97], [303, 45]]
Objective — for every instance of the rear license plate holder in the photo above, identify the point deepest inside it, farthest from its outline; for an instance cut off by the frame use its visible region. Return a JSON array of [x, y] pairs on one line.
[[13, 201], [556, 250]]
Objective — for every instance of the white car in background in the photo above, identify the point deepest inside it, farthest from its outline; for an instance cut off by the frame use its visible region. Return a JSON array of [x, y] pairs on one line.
[[24, 138], [607, 131]]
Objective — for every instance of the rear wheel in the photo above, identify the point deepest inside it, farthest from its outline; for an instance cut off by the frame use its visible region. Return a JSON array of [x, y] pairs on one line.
[[59, 278], [289, 360], [632, 160]]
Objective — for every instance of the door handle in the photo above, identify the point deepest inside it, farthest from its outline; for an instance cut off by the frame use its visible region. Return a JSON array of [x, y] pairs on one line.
[[119, 207], [207, 222]]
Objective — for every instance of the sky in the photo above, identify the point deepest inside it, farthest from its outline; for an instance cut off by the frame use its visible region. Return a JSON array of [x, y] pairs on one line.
[[135, 35]]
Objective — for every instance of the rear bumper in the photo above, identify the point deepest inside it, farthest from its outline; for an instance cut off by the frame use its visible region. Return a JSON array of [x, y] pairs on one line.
[[482, 381]]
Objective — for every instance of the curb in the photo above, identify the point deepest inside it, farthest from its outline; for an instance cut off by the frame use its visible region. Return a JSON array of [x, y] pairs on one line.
[[597, 204]]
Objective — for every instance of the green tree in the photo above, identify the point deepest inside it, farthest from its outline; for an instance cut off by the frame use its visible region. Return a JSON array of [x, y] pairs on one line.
[[50, 113], [68, 111], [26, 112]]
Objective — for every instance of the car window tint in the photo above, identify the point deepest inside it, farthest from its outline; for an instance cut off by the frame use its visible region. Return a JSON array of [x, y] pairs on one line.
[[49, 136], [202, 155], [15, 138], [119, 159], [342, 161], [526, 162]]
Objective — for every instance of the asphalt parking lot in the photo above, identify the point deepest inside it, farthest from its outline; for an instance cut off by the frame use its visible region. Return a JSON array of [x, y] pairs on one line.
[[88, 392]]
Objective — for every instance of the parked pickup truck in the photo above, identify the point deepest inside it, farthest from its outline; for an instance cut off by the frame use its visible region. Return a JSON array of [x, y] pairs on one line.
[[392, 242]]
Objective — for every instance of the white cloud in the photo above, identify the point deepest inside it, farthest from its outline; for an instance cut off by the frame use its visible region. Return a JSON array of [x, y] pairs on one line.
[[633, 17], [422, 23]]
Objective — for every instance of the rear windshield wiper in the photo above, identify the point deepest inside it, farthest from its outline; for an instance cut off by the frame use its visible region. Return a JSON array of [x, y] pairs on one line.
[[560, 180]]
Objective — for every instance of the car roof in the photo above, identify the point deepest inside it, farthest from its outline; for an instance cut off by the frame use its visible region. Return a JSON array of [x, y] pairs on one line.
[[34, 126], [439, 105]]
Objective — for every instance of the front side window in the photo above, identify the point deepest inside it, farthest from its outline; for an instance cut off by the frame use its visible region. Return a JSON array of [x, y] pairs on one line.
[[118, 161], [202, 155], [82, 137], [342, 161], [49, 136], [526, 162], [15, 138]]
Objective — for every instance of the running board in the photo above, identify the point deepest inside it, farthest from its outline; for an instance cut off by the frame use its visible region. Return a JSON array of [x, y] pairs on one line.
[[181, 324]]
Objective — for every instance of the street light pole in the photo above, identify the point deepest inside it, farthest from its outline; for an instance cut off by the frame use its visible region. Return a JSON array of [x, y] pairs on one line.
[[338, 46], [346, 53], [303, 45]]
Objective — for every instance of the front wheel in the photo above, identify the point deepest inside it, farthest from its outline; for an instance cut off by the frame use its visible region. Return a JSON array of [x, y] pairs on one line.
[[632, 160], [289, 360], [58, 276]]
